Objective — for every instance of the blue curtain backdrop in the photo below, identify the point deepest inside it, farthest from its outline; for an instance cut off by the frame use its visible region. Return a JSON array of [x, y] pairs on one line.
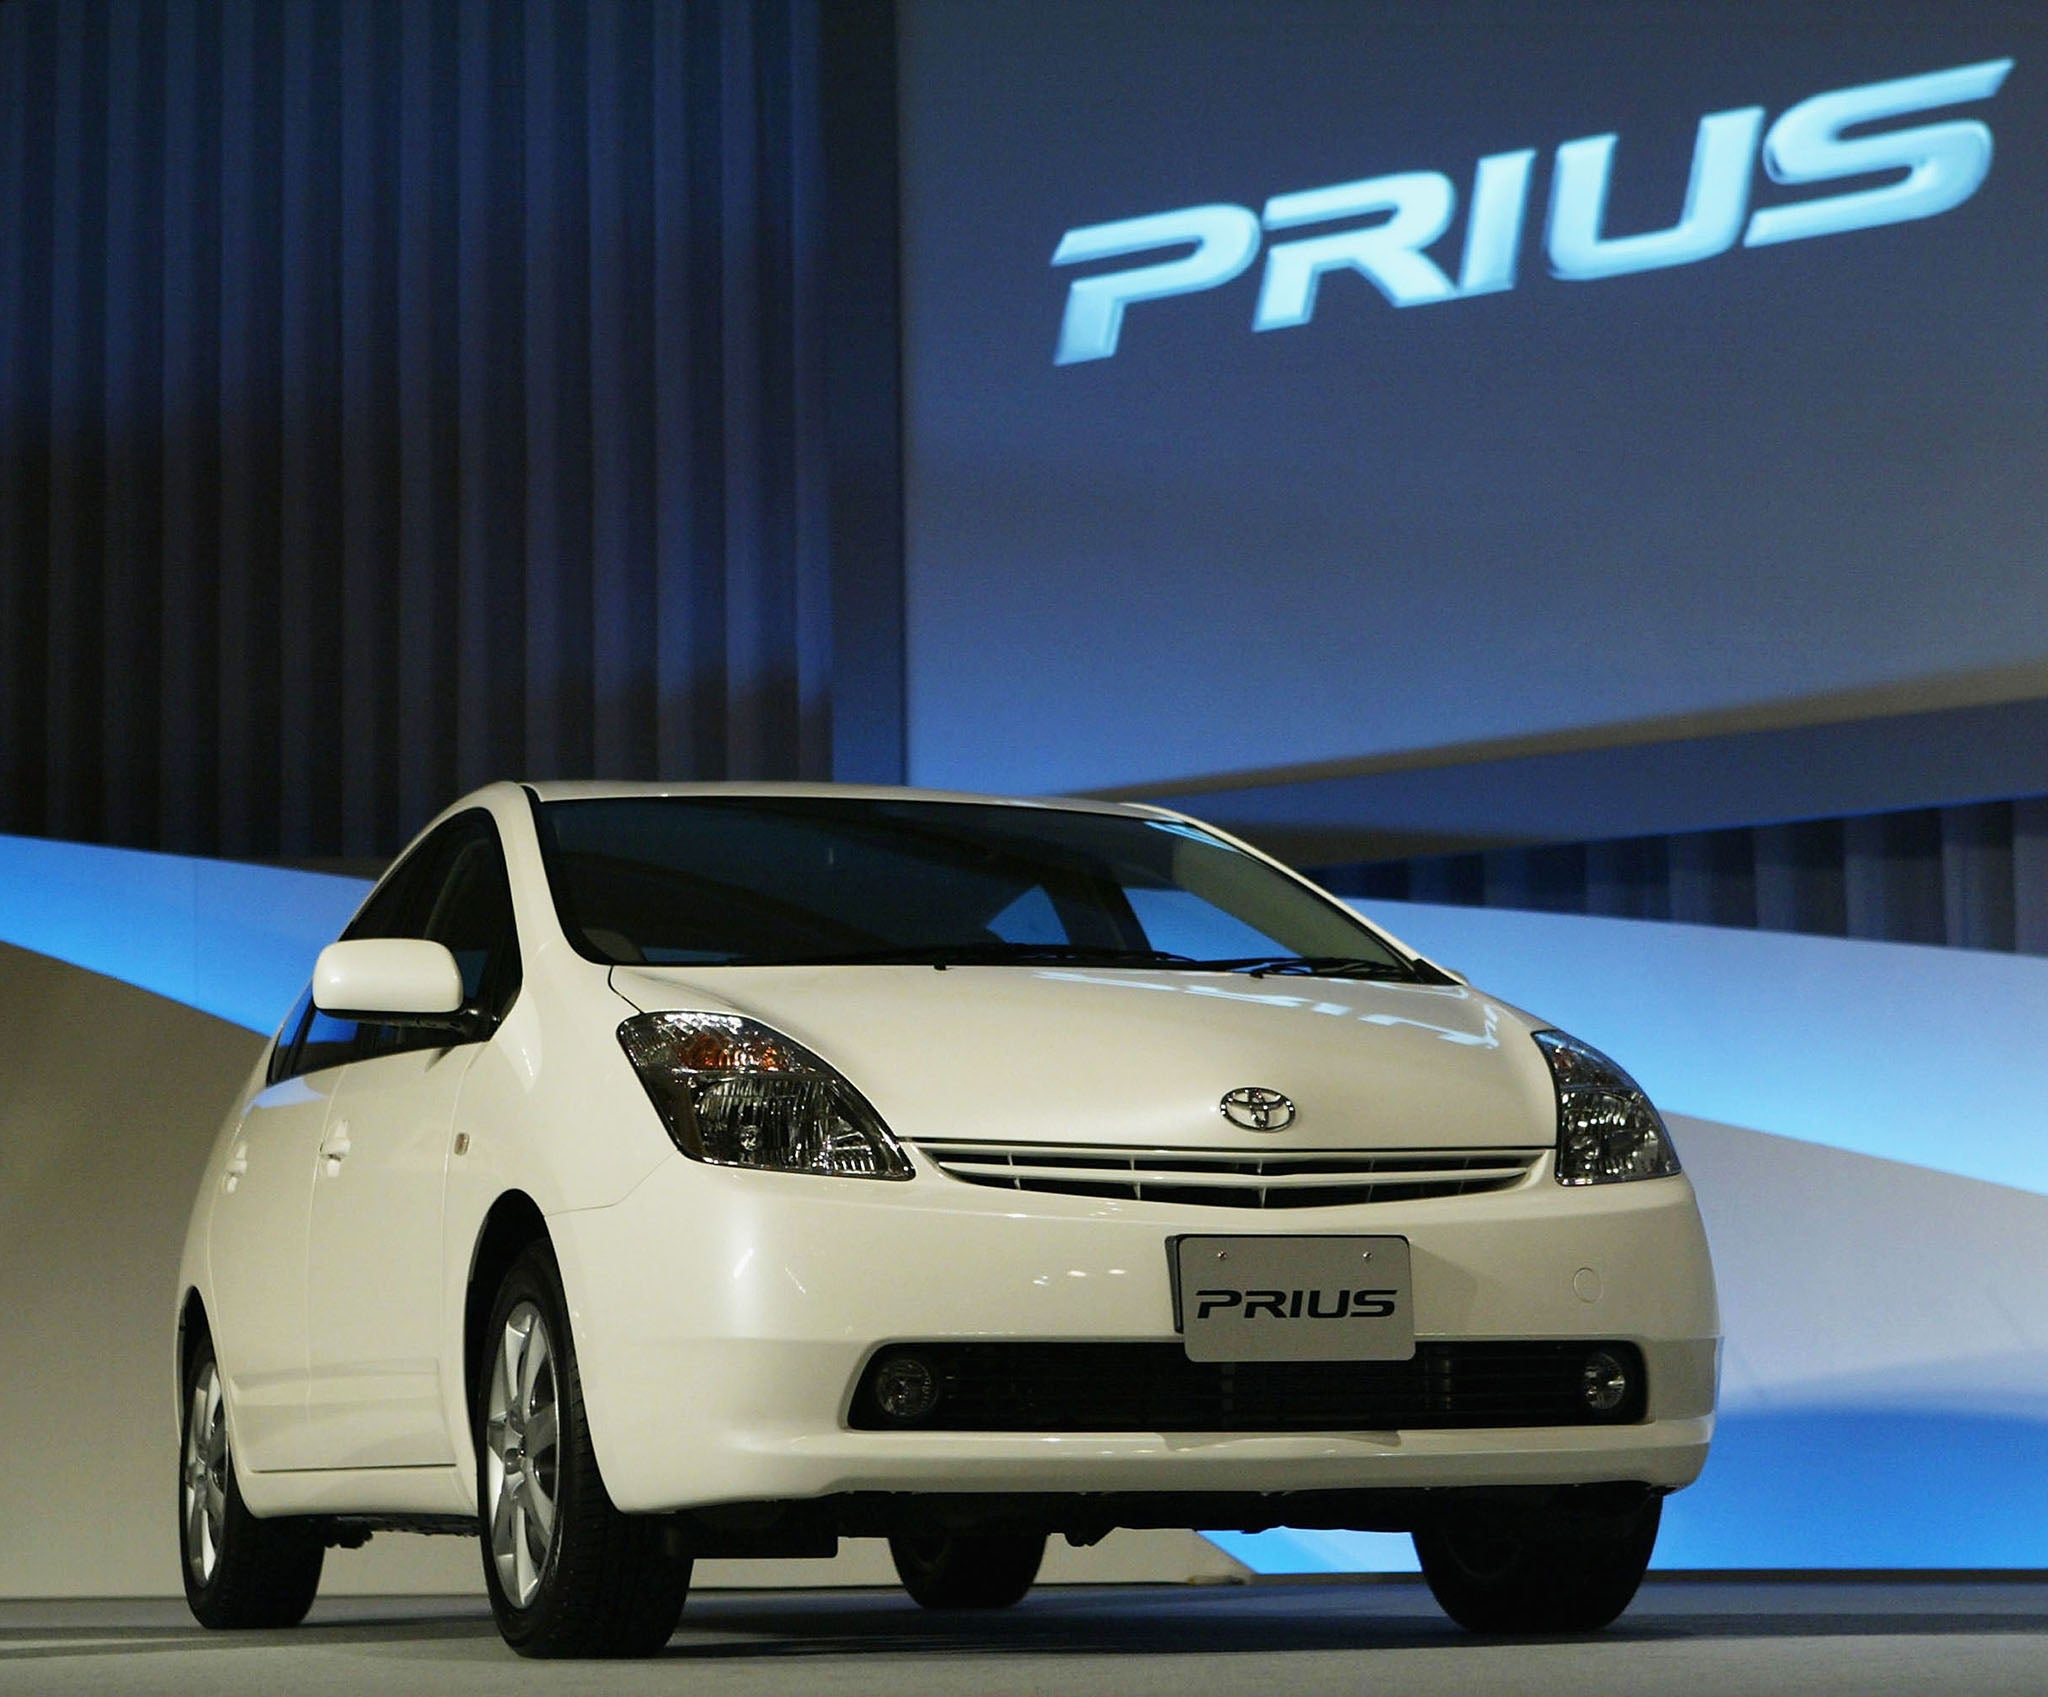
[[396, 396], [1972, 876]]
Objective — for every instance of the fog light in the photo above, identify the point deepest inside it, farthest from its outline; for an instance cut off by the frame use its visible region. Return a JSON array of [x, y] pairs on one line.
[[1603, 1382], [905, 1388]]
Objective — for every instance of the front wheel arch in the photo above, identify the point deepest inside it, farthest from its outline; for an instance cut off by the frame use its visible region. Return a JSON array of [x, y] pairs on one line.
[[238, 1570], [567, 1573], [512, 1223], [193, 1325]]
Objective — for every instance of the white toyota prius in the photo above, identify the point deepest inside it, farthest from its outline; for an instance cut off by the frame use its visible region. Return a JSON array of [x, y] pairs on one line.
[[654, 1172]]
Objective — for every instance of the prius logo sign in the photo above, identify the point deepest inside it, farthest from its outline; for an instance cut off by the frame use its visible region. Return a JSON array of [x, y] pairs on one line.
[[1922, 170]]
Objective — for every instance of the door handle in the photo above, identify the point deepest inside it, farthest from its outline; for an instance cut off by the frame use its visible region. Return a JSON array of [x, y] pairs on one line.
[[238, 1165], [334, 1147]]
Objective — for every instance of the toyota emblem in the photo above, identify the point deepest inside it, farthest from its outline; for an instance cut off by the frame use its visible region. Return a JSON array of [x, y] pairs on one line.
[[1258, 1109]]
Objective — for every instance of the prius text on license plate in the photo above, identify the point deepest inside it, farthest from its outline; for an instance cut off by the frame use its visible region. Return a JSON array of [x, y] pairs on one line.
[[1295, 1298]]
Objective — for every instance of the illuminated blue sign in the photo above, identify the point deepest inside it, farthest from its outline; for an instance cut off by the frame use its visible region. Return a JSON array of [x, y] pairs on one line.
[[1932, 168]]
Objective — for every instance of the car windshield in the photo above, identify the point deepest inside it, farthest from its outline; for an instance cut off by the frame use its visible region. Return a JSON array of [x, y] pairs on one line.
[[790, 880]]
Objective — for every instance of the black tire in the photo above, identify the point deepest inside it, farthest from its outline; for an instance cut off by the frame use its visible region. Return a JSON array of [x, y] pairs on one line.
[[962, 1571], [239, 1571], [590, 1581], [1572, 1573]]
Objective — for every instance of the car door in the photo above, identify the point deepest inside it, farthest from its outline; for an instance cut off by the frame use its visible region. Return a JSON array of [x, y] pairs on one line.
[[256, 1242], [374, 1264]]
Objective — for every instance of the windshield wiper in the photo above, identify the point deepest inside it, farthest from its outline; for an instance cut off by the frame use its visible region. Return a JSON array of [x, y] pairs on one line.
[[1320, 966], [1029, 954]]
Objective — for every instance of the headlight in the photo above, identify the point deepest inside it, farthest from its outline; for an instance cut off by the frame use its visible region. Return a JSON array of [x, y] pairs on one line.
[[736, 1094], [1607, 1131]]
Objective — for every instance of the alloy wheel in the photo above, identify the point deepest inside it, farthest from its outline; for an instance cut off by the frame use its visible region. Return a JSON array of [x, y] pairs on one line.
[[522, 1433], [205, 1475]]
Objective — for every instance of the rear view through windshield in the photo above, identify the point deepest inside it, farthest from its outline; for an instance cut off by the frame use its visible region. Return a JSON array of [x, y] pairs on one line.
[[785, 880]]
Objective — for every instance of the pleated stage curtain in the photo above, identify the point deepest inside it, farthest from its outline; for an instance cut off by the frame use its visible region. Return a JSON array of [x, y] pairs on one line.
[[1972, 876], [395, 396]]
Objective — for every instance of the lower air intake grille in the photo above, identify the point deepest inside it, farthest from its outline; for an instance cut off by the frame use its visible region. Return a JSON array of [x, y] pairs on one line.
[[1233, 1178], [1154, 1387]]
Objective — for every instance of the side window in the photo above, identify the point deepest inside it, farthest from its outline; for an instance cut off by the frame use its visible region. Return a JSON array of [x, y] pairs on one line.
[[398, 906], [452, 889], [472, 915], [326, 1042], [288, 1035], [310, 1040], [460, 897]]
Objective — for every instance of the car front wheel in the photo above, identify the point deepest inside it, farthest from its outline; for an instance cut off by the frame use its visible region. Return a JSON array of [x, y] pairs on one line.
[[962, 1571], [1574, 1572], [568, 1574], [239, 1571]]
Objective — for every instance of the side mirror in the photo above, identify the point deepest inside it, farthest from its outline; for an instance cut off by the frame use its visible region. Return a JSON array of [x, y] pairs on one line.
[[391, 981]]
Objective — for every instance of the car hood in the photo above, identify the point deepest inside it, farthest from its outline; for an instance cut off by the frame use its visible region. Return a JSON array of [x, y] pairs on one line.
[[1143, 1059]]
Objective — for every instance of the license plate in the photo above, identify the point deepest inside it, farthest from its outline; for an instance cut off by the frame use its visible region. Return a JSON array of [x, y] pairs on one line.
[[1294, 1298]]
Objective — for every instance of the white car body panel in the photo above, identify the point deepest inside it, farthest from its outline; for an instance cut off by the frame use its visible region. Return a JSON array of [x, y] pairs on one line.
[[374, 1274], [730, 1378], [1080, 1055], [248, 1257], [721, 1316]]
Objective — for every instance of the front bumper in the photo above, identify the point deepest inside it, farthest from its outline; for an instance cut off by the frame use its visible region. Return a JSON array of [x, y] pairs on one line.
[[722, 1318]]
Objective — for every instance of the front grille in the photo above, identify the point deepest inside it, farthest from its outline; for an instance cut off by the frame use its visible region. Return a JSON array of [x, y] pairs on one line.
[[1234, 1178], [1154, 1387]]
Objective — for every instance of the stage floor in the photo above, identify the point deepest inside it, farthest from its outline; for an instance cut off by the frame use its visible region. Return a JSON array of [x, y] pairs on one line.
[[1695, 1637]]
